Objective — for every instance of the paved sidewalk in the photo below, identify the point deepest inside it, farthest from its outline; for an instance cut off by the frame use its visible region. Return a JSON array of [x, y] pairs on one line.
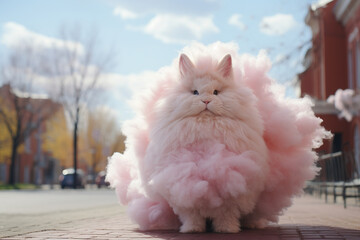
[[308, 218]]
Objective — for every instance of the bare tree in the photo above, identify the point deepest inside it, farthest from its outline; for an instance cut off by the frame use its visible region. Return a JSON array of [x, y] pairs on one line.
[[77, 68], [22, 111]]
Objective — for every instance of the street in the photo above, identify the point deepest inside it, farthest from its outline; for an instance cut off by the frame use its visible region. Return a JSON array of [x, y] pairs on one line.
[[30, 211], [48, 201], [95, 214]]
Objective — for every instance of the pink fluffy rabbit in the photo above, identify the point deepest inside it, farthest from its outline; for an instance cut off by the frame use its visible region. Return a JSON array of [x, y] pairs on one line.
[[215, 140]]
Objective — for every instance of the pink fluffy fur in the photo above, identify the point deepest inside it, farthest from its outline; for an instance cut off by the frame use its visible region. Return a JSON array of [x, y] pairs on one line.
[[215, 138]]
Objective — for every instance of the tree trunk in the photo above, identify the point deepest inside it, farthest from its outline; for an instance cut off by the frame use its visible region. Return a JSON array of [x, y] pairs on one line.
[[14, 148], [76, 146], [93, 169]]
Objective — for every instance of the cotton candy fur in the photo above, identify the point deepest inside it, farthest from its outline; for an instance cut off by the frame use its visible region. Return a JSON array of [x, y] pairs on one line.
[[346, 102], [265, 187]]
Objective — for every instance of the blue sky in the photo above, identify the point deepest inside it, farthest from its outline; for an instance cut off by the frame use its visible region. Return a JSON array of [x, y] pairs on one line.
[[149, 34]]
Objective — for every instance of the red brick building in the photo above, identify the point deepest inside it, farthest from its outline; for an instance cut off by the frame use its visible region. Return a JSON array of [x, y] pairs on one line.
[[333, 63], [33, 163]]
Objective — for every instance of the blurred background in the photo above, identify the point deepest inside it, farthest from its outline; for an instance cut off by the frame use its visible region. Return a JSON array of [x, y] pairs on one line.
[[68, 69]]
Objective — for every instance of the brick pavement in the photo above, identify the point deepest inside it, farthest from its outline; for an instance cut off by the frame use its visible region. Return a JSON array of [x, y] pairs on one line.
[[308, 218]]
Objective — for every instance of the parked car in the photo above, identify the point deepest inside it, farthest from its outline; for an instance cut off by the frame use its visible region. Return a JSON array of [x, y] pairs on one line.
[[100, 180], [66, 179]]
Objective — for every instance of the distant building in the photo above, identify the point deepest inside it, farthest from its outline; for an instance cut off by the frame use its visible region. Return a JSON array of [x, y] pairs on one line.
[[333, 63], [34, 164]]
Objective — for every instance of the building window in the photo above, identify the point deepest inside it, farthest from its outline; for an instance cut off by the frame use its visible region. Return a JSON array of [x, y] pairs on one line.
[[3, 176], [27, 144], [337, 142], [350, 70], [357, 152], [358, 65], [26, 174]]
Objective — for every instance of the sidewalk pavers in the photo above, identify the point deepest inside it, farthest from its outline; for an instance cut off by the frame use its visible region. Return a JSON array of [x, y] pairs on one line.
[[308, 218]]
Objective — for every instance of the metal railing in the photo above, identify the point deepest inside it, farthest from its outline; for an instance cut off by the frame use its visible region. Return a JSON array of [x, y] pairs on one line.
[[336, 177]]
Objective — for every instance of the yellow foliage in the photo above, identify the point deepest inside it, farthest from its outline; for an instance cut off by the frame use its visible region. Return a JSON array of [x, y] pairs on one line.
[[119, 143], [96, 142], [5, 144], [84, 153], [102, 134], [58, 139], [5, 137]]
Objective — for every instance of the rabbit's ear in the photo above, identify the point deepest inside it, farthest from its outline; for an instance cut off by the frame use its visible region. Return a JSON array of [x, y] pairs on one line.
[[225, 67], [186, 67]]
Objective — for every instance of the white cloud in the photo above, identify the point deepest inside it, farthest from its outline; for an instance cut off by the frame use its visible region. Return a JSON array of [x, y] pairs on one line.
[[15, 36], [179, 7], [123, 88], [319, 3], [277, 24], [132, 82], [235, 21], [180, 29], [124, 13], [175, 21]]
